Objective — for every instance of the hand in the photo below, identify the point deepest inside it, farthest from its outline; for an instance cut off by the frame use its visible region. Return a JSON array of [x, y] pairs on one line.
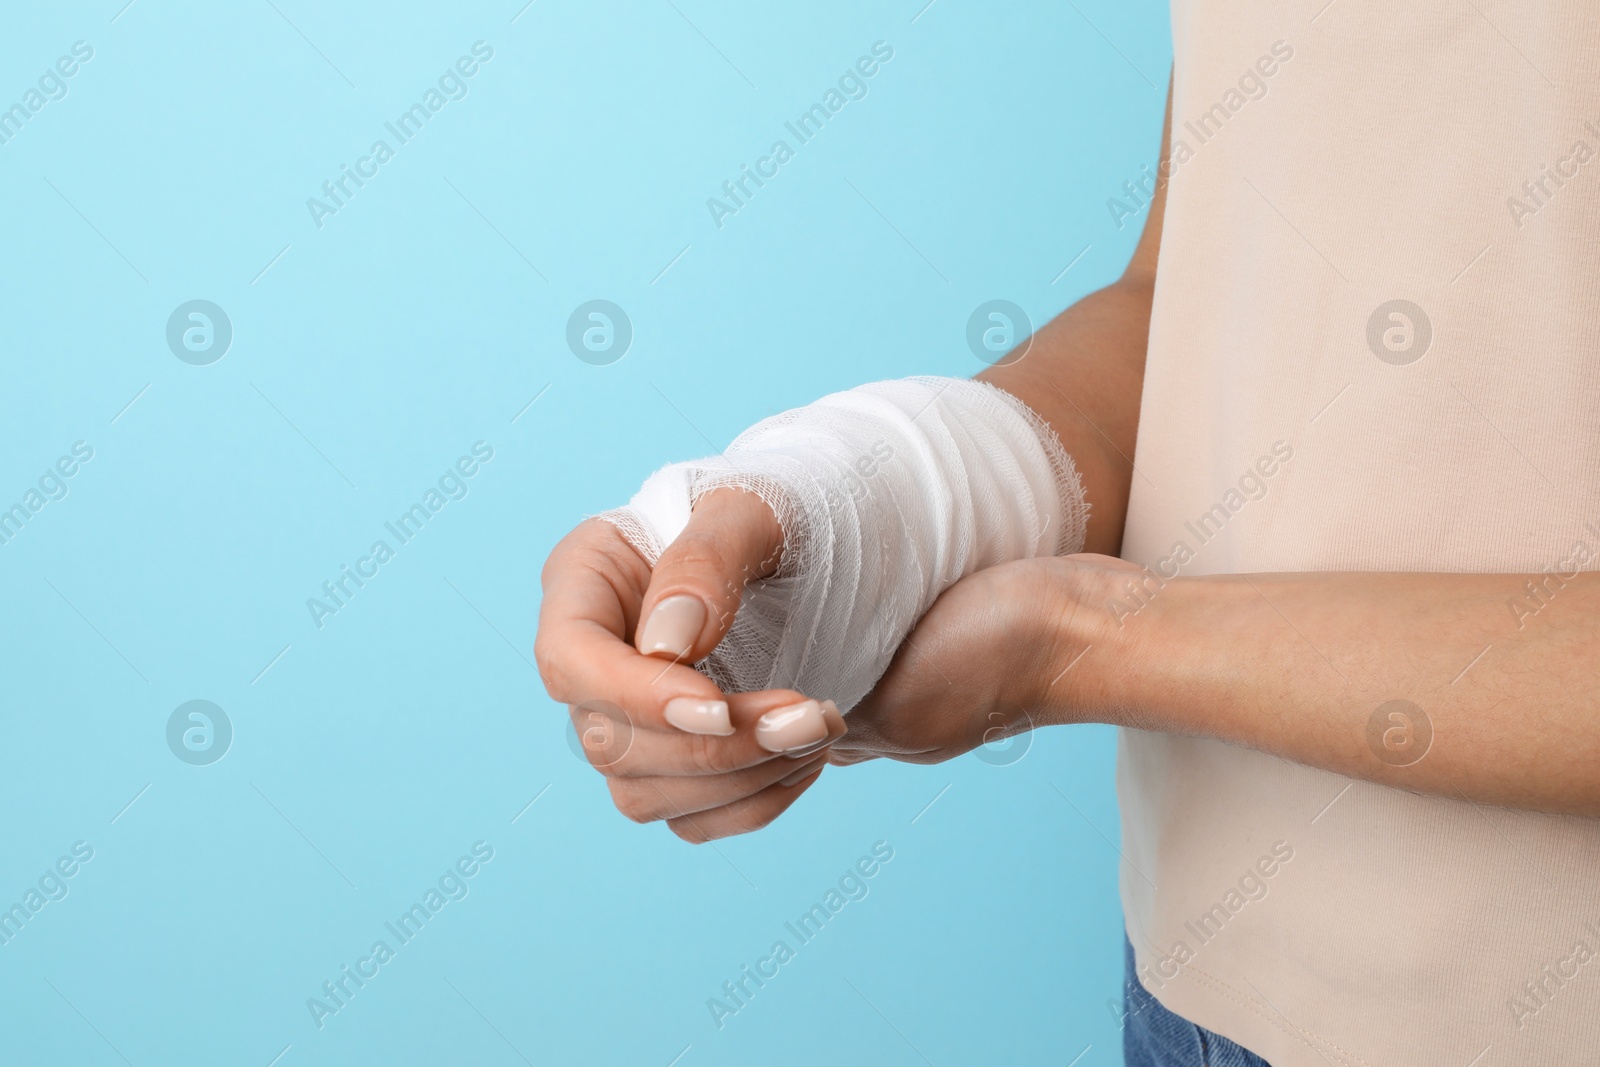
[[669, 743], [990, 659]]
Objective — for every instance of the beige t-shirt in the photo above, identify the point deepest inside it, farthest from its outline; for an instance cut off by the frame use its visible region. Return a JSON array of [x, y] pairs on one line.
[[1375, 346]]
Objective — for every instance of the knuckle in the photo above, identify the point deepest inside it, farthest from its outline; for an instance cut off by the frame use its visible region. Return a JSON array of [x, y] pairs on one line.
[[761, 812], [549, 666], [561, 554], [757, 821], [712, 755], [554, 562], [631, 803], [611, 772], [616, 550], [701, 555], [615, 769]]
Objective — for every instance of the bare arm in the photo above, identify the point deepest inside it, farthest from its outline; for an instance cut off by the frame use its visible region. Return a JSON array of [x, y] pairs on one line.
[[1478, 687], [1464, 685]]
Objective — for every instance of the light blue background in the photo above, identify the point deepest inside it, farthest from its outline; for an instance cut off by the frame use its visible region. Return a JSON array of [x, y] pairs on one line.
[[367, 357]]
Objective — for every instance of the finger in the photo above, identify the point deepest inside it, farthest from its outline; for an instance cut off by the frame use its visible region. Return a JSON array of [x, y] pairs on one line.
[[651, 799], [732, 539], [645, 716], [593, 585], [766, 726], [742, 816]]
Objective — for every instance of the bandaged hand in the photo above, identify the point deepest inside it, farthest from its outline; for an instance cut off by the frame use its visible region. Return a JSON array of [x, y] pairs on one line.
[[886, 495], [791, 568]]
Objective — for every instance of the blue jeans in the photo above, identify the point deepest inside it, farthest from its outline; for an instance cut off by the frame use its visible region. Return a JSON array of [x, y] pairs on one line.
[[1154, 1037]]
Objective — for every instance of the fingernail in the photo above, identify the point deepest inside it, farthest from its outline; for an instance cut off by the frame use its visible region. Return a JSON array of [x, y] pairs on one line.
[[806, 750], [699, 716], [673, 626], [803, 773], [793, 728], [831, 714]]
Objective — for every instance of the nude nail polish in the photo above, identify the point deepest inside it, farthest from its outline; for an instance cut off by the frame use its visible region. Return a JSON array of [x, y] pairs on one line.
[[806, 750], [830, 711], [672, 627], [791, 729], [695, 716]]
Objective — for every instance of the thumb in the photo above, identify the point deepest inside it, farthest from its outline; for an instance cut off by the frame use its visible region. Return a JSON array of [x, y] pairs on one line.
[[732, 539]]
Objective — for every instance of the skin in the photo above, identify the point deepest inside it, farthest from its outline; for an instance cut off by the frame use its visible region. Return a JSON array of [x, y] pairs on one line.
[[1290, 664], [1294, 665], [596, 589]]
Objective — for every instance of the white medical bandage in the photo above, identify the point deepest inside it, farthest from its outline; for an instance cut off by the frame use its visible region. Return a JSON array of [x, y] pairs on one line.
[[887, 494]]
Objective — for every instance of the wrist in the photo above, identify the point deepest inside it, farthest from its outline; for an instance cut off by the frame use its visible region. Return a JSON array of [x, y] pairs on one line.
[[1117, 643]]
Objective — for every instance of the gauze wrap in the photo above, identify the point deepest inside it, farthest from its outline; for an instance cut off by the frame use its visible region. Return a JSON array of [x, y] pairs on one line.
[[887, 495]]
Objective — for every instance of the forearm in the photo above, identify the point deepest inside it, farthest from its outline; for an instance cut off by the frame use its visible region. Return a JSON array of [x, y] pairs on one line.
[[1084, 375], [1299, 666]]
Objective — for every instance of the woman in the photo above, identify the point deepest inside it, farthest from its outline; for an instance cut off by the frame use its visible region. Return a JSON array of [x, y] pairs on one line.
[[1330, 440]]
